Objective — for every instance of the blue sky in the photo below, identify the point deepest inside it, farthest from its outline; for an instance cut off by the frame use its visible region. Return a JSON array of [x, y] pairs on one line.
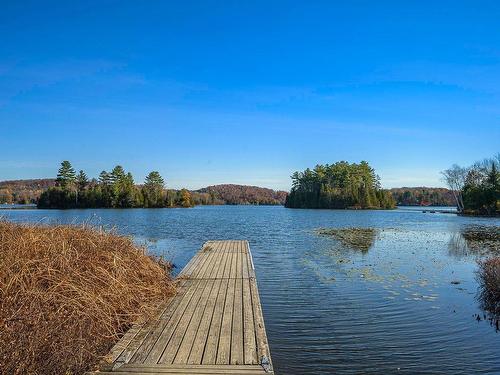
[[247, 92]]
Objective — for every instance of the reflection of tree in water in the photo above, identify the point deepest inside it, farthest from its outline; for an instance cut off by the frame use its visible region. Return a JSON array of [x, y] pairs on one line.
[[475, 240], [353, 238]]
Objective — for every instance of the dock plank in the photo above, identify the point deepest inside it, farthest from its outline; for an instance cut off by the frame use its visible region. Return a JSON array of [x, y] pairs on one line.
[[212, 325], [224, 348]]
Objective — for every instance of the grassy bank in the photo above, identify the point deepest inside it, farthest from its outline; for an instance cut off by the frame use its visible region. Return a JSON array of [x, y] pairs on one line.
[[68, 293]]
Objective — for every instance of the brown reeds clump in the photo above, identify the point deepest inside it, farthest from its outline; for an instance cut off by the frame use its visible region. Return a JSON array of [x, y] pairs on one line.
[[67, 293], [489, 285]]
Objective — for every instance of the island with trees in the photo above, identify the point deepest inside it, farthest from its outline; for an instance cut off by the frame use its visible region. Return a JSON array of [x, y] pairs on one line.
[[476, 188], [340, 185], [117, 189], [114, 189]]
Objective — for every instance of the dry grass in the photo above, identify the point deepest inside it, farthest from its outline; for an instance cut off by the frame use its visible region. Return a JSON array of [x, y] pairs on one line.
[[67, 294], [489, 285]]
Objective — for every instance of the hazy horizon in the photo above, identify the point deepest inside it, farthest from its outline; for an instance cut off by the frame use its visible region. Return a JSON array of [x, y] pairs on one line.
[[226, 92]]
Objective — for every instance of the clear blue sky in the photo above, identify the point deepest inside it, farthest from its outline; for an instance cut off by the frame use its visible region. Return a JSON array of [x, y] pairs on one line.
[[247, 92]]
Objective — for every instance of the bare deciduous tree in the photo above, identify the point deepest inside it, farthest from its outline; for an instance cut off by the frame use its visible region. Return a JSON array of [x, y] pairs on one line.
[[455, 178]]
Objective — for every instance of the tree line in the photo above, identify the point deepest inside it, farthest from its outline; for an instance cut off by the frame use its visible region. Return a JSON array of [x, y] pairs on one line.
[[113, 189], [242, 194], [339, 185], [23, 191], [476, 188], [422, 196]]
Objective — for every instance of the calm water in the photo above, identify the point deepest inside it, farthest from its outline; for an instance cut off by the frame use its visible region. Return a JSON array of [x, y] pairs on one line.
[[329, 308]]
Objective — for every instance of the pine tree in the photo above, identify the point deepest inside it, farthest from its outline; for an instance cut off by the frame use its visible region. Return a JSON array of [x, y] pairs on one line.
[[117, 174], [153, 190], [66, 175], [82, 181], [104, 178], [154, 179]]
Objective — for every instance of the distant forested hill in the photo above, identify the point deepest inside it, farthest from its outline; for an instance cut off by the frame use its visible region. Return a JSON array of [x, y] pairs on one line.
[[423, 196], [242, 194], [24, 191], [29, 191]]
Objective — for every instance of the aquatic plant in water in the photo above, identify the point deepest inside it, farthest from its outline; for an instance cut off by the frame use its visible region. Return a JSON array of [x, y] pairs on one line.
[[476, 240], [479, 236], [354, 238], [488, 277]]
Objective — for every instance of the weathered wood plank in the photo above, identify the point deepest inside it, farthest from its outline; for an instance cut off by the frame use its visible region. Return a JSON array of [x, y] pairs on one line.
[[234, 264], [180, 330], [143, 348], [224, 348], [192, 264], [222, 269], [190, 334], [160, 345], [211, 261], [237, 329], [227, 270], [190, 369], [250, 346], [244, 272], [260, 331], [210, 354], [196, 354], [151, 326]]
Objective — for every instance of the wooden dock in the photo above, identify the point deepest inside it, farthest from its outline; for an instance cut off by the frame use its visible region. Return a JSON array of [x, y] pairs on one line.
[[213, 325]]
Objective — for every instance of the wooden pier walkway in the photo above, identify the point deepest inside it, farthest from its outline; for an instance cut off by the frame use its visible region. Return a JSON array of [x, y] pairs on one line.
[[213, 325]]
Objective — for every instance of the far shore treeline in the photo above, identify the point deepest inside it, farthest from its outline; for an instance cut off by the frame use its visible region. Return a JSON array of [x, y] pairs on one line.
[[117, 189], [114, 189], [339, 185]]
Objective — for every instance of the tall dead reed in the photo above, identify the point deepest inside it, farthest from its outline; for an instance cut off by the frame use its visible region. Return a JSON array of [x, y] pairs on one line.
[[67, 293], [489, 286]]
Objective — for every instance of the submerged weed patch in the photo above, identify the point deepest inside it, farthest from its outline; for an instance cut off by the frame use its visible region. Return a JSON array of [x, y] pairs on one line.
[[354, 238]]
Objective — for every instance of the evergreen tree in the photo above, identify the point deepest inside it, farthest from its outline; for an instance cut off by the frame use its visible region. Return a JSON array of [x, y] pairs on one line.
[[66, 175], [104, 178], [117, 174], [82, 181], [153, 190]]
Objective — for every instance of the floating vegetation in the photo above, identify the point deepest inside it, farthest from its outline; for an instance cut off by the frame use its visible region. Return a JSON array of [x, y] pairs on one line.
[[480, 237], [475, 240], [354, 238]]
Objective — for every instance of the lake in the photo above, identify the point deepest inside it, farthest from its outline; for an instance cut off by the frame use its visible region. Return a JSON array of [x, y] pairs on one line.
[[405, 306]]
